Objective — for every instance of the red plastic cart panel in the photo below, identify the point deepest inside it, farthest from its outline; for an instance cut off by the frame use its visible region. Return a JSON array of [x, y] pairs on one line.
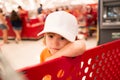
[[99, 63]]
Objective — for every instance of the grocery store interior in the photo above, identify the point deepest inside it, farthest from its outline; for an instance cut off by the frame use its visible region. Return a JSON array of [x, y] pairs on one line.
[[27, 51]]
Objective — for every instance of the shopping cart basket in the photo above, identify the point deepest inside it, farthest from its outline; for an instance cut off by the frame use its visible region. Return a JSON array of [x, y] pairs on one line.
[[99, 63]]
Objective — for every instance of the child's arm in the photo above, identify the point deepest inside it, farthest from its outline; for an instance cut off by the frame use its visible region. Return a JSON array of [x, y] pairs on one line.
[[73, 49]]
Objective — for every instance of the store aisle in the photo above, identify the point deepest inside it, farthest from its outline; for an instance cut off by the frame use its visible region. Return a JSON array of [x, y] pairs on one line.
[[27, 52]]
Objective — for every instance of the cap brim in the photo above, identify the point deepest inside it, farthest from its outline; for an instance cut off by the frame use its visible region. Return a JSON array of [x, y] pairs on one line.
[[65, 35]]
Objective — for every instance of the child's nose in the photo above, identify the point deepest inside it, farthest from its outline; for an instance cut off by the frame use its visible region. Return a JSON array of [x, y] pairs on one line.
[[56, 42]]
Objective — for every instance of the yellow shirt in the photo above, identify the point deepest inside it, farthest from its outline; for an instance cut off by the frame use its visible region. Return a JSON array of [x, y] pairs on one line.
[[44, 55]]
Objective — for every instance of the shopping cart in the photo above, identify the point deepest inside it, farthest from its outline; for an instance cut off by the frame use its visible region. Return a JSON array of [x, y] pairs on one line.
[[99, 63]]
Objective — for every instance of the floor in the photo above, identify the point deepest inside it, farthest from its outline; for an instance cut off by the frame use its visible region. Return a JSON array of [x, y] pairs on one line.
[[27, 52]]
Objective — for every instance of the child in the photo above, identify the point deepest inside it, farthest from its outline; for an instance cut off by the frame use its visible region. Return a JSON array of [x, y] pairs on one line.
[[60, 32]]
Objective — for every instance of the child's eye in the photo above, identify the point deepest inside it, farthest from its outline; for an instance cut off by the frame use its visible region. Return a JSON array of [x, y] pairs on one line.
[[62, 38], [51, 36]]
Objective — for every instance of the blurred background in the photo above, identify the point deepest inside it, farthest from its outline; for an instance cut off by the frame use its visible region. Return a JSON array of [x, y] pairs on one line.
[[32, 5], [26, 53]]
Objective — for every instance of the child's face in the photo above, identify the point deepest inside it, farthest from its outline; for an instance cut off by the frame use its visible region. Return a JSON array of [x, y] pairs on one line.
[[55, 42]]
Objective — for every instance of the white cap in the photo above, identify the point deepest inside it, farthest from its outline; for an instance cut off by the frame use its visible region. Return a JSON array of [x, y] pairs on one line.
[[62, 23]]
